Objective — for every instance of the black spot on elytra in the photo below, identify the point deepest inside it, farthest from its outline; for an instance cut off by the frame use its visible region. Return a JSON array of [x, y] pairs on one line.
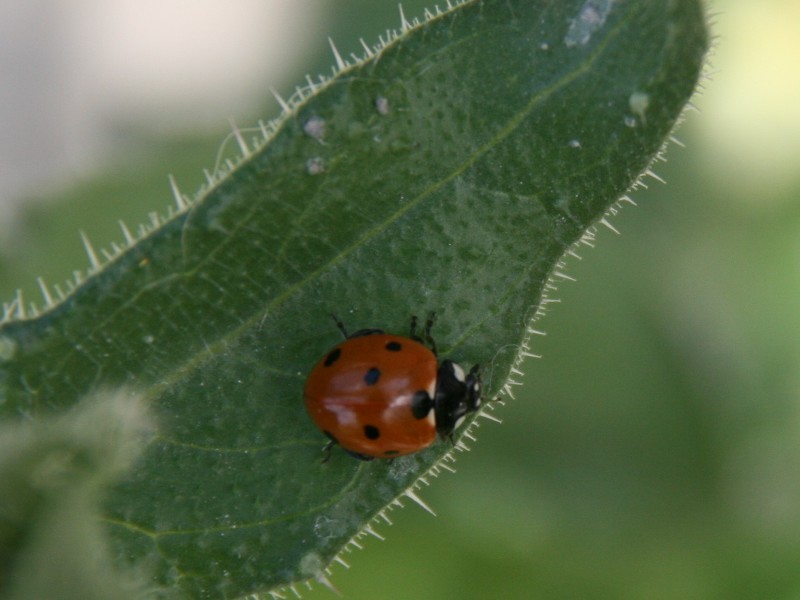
[[332, 357], [371, 377], [394, 346], [372, 432], [421, 404]]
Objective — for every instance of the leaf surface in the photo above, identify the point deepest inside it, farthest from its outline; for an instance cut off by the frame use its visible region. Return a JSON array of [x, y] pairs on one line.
[[449, 172]]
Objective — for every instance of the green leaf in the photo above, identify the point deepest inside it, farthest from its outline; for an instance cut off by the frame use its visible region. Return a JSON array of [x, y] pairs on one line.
[[447, 172]]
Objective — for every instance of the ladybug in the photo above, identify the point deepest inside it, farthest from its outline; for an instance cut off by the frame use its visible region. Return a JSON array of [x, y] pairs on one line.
[[379, 395]]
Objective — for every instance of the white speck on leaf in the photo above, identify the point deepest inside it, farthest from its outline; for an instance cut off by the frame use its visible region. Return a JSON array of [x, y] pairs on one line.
[[382, 105], [315, 128], [311, 564], [315, 166], [639, 101], [591, 17]]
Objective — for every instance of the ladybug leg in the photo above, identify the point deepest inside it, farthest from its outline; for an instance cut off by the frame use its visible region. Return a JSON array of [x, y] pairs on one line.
[[358, 455], [429, 324], [327, 451], [412, 330], [426, 337], [358, 333], [340, 325], [426, 333]]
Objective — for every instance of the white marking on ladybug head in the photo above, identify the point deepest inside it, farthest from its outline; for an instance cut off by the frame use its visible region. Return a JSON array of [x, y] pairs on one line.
[[458, 372], [460, 422], [431, 389]]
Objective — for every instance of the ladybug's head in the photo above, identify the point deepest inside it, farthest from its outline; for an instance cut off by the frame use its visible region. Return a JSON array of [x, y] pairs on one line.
[[457, 394]]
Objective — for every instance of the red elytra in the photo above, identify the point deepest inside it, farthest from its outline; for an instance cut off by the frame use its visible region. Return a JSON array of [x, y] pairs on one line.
[[380, 395]]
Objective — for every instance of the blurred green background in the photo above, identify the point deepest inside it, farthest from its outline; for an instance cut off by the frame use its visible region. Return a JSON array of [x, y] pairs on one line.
[[654, 450]]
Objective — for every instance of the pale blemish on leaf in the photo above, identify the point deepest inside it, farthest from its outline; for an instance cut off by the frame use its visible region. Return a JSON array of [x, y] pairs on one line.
[[639, 102], [315, 128], [315, 166], [382, 105], [591, 17]]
